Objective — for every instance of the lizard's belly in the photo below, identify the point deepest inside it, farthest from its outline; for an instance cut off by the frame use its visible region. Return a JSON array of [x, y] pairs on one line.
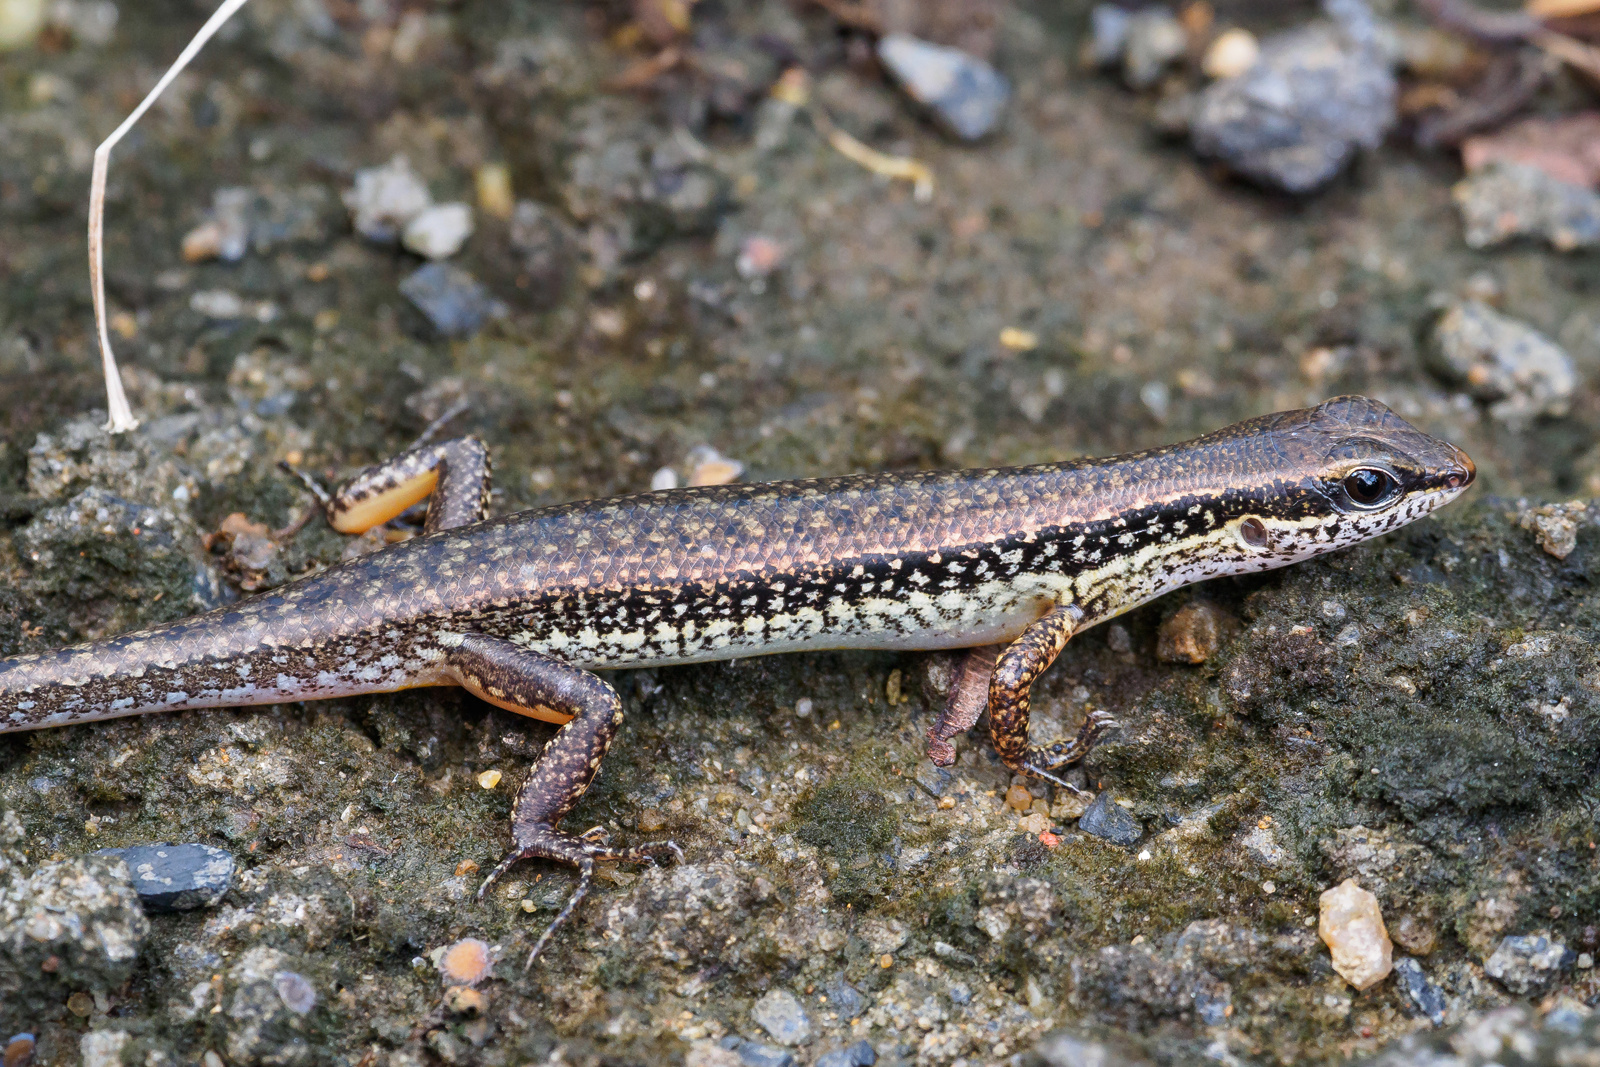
[[640, 629]]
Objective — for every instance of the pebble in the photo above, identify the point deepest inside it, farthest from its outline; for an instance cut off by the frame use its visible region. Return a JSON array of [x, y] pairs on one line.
[[1351, 925], [225, 235], [1231, 54], [781, 1015], [20, 23], [1155, 40], [844, 998], [176, 877], [966, 95], [1298, 115], [384, 199], [1108, 34], [755, 1054], [296, 992], [466, 962], [860, 1054], [19, 1051], [1109, 820], [1423, 993], [758, 257], [493, 182], [452, 299], [1527, 964], [1192, 635], [438, 232], [1555, 526], [102, 1048], [461, 1000], [1019, 797], [489, 779], [1506, 200], [1515, 369]]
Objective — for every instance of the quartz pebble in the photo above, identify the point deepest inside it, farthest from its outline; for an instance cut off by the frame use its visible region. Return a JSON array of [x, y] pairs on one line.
[[781, 1015], [1515, 369], [1351, 925], [176, 877], [438, 232], [20, 23], [384, 199], [1231, 54], [965, 94]]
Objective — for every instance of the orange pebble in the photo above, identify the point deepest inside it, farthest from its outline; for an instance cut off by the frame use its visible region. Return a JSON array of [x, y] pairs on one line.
[[1019, 797], [467, 962]]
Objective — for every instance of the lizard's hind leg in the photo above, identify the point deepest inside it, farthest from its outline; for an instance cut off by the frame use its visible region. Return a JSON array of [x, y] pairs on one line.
[[534, 684]]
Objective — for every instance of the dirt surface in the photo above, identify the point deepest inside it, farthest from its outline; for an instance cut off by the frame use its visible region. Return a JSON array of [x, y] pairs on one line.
[[1418, 714]]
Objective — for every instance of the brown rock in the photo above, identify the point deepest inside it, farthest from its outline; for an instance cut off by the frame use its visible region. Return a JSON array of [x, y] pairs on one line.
[[1190, 636]]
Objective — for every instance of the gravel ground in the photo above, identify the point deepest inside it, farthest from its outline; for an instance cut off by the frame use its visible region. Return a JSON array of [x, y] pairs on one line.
[[695, 278]]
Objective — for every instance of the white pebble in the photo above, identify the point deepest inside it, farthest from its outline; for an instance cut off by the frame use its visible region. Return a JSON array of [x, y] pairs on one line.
[[665, 478], [439, 231], [1351, 925], [385, 198], [20, 23], [1231, 54]]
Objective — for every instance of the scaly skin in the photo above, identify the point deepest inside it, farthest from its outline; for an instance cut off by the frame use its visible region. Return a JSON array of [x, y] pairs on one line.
[[519, 609]]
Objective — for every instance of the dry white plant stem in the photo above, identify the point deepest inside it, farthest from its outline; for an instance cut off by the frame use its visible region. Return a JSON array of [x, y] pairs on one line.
[[122, 419]]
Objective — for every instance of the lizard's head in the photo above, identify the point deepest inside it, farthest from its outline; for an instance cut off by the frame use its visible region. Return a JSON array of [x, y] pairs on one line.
[[1360, 470]]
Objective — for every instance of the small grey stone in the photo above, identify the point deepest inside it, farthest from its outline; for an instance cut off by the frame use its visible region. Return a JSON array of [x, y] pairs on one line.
[[781, 1015], [755, 1054], [1062, 1048], [177, 877], [1294, 119], [1155, 40], [860, 1054], [1110, 821], [844, 998], [1506, 200], [932, 780], [1108, 33], [1518, 371], [297, 994], [946, 951], [1527, 964], [452, 299], [1423, 993], [965, 94]]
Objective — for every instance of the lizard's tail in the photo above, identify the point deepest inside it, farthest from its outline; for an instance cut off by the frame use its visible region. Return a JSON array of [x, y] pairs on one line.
[[219, 659]]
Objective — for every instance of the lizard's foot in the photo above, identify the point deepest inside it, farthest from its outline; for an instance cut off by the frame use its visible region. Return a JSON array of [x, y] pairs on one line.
[[582, 852], [1043, 761]]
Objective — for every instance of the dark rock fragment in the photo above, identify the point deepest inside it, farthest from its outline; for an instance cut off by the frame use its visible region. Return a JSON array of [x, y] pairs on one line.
[[1110, 821], [176, 877], [452, 299], [1316, 96], [1528, 964], [964, 94], [844, 998], [860, 1054], [1423, 993]]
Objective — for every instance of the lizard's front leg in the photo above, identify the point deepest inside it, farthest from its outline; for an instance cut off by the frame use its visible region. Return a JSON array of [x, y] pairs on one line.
[[535, 684], [455, 473], [1019, 664]]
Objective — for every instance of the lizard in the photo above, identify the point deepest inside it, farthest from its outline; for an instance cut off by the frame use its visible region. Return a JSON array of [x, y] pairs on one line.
[[523, 609]]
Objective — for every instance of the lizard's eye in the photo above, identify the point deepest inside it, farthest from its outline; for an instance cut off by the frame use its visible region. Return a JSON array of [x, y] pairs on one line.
[[1368, 486]]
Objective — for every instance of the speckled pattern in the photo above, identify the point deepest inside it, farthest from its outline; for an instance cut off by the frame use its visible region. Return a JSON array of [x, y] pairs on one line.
[[519, 609]]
